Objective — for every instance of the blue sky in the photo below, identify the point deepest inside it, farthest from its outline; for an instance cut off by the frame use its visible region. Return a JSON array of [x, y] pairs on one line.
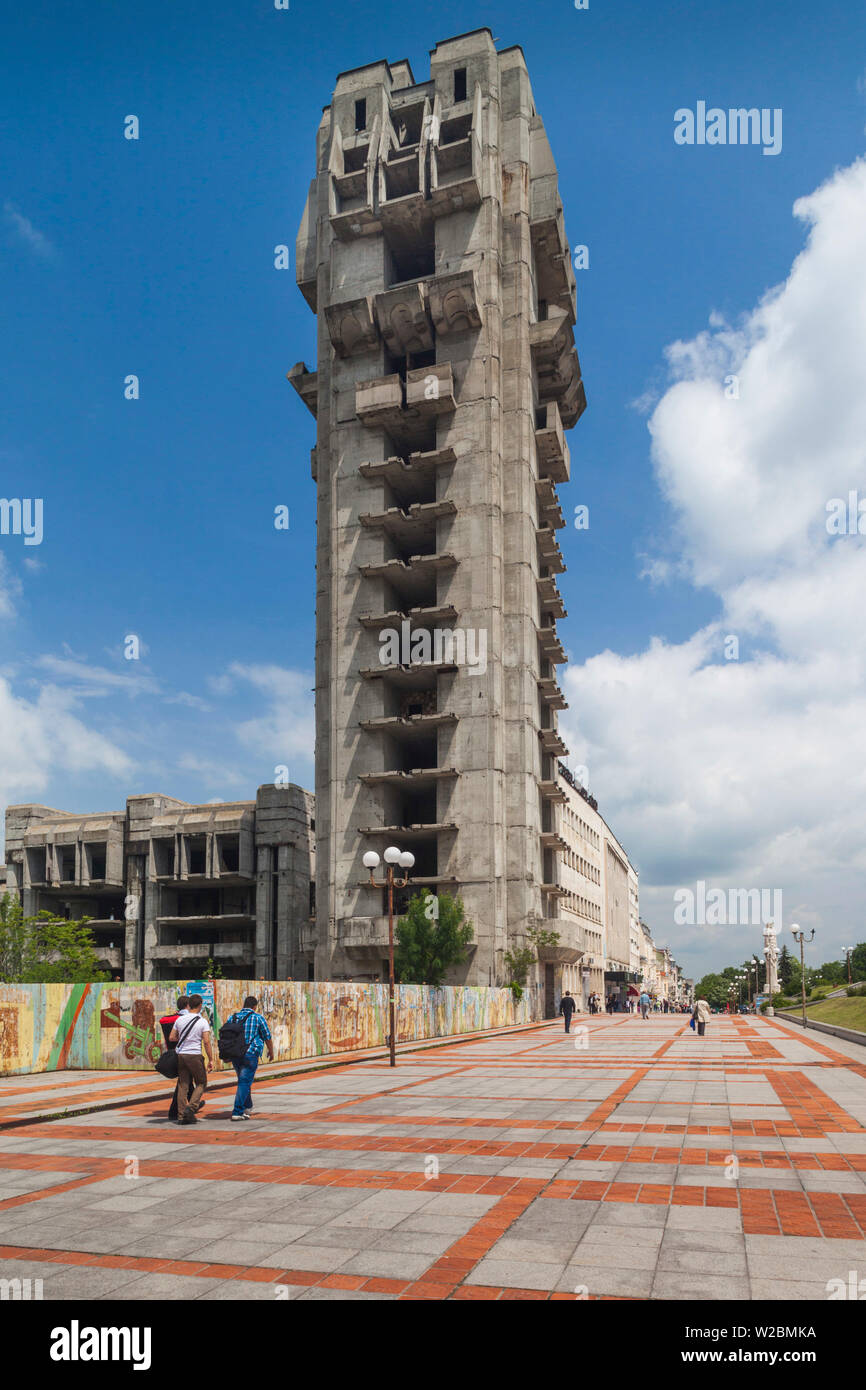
[[155, 257]]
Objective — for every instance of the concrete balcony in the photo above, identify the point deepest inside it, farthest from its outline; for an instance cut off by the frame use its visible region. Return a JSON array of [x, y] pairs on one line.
[[411, 780], [412, 524], [552, 742], [455, 166], [352, 326], [554, 890], [402, 206], [551, 792], [549, 553], [551, 516], [353, 191], [550, 646], [402, 316], [418, 675], [551, 840], [430, 390], [557, 366], [415, 831], [554, 270], [306, 383], [419, 617], [408, 725], [565, 953], [411, 577], [226, 921], [454, 303], [546, 493], [549, 598], [551, 694], [554, 459], [379, 401], [403, 475], [233, 952]]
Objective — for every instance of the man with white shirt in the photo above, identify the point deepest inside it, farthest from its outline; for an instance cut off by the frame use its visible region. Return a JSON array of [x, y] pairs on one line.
[[191, 1033]]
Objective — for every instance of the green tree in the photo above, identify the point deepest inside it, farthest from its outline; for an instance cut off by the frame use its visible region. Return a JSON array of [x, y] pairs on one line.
[[785, 969], [858, 961], [44, 949], [833, 972], [715, 989], [430, 940], [518, 962]]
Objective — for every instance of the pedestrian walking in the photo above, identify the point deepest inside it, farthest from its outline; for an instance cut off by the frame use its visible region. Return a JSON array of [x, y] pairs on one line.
[[166, 1023], [700, 1014], [567, 1007], [191, 1033], [242, 1039], [645, 1002]]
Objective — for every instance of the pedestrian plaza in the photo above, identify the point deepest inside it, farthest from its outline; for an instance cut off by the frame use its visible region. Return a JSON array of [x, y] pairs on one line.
[[627, 1159]]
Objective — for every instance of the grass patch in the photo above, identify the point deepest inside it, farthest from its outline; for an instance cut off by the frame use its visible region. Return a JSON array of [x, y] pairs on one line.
[[845, 1013]]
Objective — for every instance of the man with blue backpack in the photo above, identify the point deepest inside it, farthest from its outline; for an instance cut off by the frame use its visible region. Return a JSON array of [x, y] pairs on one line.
[[241, 1040]]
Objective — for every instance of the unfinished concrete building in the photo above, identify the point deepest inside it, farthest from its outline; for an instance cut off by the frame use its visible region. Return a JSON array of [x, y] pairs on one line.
[[433, 252], [169, 886]]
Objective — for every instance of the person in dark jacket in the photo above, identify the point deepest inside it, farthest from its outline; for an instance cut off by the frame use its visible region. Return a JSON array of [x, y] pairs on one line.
[[167, 1023], [567, 1007]]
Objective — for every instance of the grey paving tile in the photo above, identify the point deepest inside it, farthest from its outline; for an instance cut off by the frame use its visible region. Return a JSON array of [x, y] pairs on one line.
[[588, 1280], [705, 1261], [632, 1216], [515, 1247], [327, 1258], [517, 1274], [157, 1287], [613, 1254], [235, 1252], [387, 1264], [698, 1285], [704, 1219]]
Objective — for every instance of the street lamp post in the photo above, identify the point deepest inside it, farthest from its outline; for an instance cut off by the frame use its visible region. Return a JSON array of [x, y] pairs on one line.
[[393, 857], [800, 936], [848, 950], [758, 963]]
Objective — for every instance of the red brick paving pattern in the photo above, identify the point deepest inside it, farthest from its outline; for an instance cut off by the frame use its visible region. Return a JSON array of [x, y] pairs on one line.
[[804, 1111]]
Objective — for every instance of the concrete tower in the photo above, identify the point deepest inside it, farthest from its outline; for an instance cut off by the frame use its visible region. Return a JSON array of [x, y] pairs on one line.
[[433, 252]]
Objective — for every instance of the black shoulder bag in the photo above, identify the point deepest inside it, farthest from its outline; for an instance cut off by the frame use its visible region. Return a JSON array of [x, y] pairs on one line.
[[166, 1062]]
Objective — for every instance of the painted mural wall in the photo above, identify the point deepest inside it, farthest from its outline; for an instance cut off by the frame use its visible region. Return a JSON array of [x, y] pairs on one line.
[[116, 1026]]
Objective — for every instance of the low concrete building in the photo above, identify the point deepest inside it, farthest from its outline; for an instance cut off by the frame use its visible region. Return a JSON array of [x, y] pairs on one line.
[[170, 886]]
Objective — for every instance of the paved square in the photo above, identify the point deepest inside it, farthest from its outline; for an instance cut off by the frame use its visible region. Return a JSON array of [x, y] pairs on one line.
[[628, 1160]]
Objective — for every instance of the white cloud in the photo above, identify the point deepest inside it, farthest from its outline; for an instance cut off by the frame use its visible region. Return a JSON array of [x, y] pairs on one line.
[[10, 590], [31, 236], [44, 737], [89, 680], [287, 729], [753, 773]]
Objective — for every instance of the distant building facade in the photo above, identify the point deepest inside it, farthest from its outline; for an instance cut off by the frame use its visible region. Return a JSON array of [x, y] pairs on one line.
[[170, 886]]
